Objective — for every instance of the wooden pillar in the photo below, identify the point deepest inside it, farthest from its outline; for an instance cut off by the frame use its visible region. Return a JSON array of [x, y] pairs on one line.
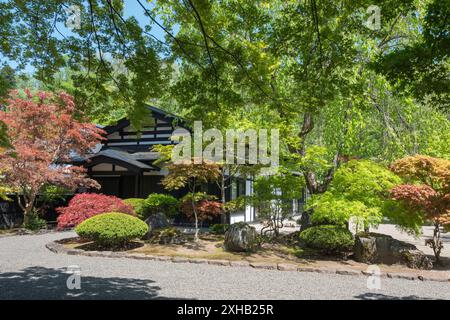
[[136, 185]]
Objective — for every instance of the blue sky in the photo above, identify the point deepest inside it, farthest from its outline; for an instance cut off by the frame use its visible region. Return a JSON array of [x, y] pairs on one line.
[[132, 8]]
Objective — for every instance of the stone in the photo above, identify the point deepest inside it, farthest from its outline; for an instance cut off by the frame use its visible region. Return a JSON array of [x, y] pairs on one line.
[[198, 261], [241, 237], [180, 259], [156, 221], [401, 276], [219, 262], [264, 265], [287, 267], [74, 251], [316, 270], [349, 272], [379, 248], [306, 269], [239, 263]]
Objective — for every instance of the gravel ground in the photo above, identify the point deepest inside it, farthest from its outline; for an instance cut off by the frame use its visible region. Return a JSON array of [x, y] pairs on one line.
[[29, 271], [427, 233]]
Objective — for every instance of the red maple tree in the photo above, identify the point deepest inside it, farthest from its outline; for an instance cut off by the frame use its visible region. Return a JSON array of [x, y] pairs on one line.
[[427, 192], [44, 131]]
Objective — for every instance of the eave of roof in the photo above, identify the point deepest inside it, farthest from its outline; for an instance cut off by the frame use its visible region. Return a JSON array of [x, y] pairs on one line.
[[124, 157]]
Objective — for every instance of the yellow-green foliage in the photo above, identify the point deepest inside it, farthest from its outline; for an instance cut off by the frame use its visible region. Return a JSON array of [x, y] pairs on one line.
[[112, 229], [138, 205], [158, 202], [328, 238], [359, 190]]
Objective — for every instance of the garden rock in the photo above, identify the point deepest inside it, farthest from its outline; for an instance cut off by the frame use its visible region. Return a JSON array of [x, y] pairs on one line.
[[380, 248], [156, 221], [241, 237]]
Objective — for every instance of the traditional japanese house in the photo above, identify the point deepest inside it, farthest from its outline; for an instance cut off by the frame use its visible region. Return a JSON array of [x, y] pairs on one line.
[[124, 164]]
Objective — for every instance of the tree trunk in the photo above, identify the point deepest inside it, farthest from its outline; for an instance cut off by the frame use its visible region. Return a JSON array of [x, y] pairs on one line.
[[196, 219], [27, 206], [223, 216], [437, 244], [305, 219]]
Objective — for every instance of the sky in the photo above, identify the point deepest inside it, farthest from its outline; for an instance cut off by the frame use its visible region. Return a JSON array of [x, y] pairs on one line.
[[131, 8]]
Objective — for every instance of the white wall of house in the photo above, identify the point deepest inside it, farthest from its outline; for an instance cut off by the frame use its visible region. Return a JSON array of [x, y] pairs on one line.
[[248, 214]]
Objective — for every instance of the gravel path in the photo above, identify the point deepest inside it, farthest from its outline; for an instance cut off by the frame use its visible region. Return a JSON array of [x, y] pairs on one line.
[[427, 233], [28, 270]]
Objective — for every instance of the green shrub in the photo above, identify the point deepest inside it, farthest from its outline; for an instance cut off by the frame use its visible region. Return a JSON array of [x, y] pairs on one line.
[[112, 229], [35, 223], [329, 239], [219, 228], [359, 192], [336, 211], [139, 207], [158, 202]]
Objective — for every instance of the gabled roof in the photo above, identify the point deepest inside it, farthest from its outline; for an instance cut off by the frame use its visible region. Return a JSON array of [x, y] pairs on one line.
[[155, 112]]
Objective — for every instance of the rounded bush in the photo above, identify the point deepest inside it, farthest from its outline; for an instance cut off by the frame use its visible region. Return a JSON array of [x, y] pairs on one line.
[[329, 239], [112, 229], [139, 207], [86, 205], [158, 202]]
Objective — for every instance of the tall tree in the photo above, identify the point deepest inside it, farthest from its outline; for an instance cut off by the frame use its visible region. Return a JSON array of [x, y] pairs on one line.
[[112, 58], [44, 135]]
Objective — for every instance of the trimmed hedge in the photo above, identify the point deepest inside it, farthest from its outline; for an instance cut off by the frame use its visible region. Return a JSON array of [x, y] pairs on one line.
[[329, 239], [159, 202], [113, 229], [139, 207]]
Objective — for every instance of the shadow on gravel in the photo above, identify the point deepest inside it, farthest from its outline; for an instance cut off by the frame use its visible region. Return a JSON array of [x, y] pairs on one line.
[[380, 296], [47, 283]]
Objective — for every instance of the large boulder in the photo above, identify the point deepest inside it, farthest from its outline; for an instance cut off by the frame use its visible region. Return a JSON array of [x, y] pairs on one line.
[[241, 237], [156, 221], [381, 248]]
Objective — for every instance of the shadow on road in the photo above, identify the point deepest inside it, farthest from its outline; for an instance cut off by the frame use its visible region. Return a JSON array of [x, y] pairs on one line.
[[48, 283], [380, 296]]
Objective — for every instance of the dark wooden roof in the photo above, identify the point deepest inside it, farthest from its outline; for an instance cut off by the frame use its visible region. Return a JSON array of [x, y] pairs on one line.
[[155, 113]]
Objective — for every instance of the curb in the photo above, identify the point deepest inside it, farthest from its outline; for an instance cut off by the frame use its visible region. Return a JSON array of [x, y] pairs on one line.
[[286, 267]]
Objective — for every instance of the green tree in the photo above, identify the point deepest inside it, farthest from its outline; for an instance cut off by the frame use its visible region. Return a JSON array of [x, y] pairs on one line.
[[273, 196], [359, 191]]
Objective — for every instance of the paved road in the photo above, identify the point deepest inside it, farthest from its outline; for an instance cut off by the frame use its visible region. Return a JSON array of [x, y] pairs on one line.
[[28, 270]]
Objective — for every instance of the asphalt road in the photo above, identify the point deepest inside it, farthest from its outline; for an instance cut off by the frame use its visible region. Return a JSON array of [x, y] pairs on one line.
[[30, 271]]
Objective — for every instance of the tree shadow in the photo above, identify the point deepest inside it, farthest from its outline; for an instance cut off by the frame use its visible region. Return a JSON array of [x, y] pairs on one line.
[[48, 283], [380, 296]]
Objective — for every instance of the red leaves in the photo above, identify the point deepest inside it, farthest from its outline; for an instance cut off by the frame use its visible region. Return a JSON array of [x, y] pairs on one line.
[[86, 205], [418, 197], [206, 209], [434, 172], [44, 131], [431, 196]]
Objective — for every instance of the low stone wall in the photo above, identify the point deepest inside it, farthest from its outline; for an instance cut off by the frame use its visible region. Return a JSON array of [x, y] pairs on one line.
[[59, 248]]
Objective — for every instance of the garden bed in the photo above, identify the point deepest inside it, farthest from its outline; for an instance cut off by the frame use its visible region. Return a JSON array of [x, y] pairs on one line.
[[209, 249]]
